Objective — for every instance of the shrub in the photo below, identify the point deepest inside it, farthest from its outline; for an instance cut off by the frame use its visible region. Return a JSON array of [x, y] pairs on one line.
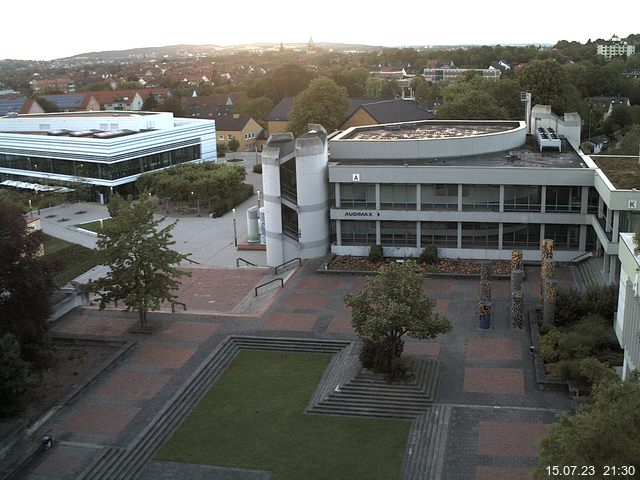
[[221, 149], [14, 376], [590, 336], [429, 255], [602, 300], [549, 345], [257, 168], [585, 372], [569, 307], [376, 253]]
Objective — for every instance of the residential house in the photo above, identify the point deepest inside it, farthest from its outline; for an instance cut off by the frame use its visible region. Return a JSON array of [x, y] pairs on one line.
[[20, 105], [241, 127], [63, 84], [607, 104], [440, 74], [386, 111], [74, 102], [126, 100]]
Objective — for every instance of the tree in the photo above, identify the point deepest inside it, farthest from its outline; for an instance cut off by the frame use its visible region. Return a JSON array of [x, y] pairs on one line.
[[630, 143], [323, 102], [285, 81], [233, 144], [171, 104], [26, 282], [14, 376], [391, 305], [143, 270], [257, 108], [548, 83], [605, 432]]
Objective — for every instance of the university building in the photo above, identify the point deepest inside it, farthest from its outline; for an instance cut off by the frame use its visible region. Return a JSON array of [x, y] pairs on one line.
[[107, 150]]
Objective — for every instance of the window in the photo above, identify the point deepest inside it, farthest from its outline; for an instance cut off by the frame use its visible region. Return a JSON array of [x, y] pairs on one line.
[[359, 195], [565, 237], [522, 198], [398, 196], [524, 236], [230, 137], [479, 235], [398, 234], [439, 196], [563, 199], [481, 197], [440, 234], [221, 138], [354, 232], [246, 136]]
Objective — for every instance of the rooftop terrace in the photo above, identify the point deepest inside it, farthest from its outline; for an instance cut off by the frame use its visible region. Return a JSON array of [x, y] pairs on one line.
[[429, 129], [527, 155]]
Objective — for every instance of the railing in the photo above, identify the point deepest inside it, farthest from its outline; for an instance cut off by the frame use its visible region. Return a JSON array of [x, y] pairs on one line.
[[299, 260], [269, 282], [245, 261], [581, 257], [192, 261], [173, 306]]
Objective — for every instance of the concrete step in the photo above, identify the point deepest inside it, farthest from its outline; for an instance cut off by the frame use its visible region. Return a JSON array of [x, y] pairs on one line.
[[364, 412]]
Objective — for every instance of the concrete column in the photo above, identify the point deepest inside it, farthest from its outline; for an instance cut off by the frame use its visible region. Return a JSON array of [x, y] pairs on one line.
[[605, 263], [418, 197], [616, 226], [484, 315], [459, 197], [541, 230], [600, 207], [459, 234], [418, 232], [485, 291], [517, 309], [337, 193], [338, 233], [613, 269], [378, 237], [377, 196], [543, 199], [500, 232], [501, 200], [584, 201], [583, 238], [517, 276]]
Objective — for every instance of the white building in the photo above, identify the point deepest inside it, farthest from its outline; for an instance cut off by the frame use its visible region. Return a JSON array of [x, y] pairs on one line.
[[615, 48], [627, 319], [103, 149]]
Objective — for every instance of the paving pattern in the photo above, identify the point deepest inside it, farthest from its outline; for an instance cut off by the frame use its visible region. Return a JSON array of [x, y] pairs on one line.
[[490, 413]]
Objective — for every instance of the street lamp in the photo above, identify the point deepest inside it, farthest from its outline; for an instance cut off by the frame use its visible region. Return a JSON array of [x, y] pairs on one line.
[[235, 232]]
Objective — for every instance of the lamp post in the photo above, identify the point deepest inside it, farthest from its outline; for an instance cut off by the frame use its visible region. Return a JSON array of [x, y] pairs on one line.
[[30, 210], [235, 232], [258, 201]]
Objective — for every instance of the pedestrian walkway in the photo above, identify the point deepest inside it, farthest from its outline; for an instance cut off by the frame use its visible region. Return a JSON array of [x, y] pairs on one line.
[[487, 392]]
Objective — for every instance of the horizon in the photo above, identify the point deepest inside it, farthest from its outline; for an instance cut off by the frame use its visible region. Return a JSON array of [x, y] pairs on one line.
[[428, 25]]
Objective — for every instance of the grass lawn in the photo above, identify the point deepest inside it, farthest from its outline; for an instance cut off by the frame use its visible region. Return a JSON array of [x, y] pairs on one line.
[[75, 259], [253, 418], [623, 172], [94, 226]]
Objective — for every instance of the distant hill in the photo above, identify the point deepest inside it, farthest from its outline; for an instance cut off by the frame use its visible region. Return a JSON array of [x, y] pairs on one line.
[[186, 51]]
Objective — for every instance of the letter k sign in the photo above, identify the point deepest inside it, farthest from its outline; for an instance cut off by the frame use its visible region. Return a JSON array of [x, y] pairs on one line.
[[633, 204]]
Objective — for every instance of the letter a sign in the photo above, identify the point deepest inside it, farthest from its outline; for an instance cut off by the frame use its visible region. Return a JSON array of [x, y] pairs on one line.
[[356, 177]]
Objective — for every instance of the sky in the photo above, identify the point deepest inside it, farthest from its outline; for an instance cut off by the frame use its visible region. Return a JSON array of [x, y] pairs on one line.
[[45, 30]]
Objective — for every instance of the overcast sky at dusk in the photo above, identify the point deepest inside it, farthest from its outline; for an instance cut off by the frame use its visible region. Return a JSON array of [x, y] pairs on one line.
[[41, 30]]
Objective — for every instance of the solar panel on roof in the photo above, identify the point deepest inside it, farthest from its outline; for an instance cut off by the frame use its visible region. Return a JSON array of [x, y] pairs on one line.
[[11, 105]]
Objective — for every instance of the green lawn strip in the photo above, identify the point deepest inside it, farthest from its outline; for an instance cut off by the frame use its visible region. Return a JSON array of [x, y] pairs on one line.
[[74, 259], [253, 418], [94, 226]]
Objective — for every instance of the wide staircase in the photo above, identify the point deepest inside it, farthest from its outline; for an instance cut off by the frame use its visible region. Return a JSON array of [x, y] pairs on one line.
[[588, 273], [369, 394]]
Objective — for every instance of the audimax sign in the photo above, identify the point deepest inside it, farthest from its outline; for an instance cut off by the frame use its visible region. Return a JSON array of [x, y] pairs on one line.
[[361, 213]]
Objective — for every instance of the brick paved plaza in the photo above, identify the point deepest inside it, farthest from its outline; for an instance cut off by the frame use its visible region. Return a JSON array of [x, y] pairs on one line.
[[497, 413]]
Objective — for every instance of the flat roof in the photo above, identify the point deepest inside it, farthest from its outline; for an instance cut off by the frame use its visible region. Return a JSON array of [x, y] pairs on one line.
[[99, 113], [427, 129], [623, 172], [527, 155]]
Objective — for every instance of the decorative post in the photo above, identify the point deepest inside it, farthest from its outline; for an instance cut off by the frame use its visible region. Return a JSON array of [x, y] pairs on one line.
[[549, 303], [546, 255], [485, 291], [484, 315], [517, 309], [485, 271], [516, 260], [517, 276]]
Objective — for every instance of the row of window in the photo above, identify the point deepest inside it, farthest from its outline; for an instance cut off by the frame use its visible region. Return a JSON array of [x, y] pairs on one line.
[[106, 171], [517, 198], [247, 136], [473, 234]]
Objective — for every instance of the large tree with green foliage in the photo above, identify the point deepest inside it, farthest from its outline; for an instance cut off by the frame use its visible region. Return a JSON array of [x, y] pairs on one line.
[[285, 81], [549, 85], [323, 102], [14, 376], [257, 108], [26, 282], [605, 432], [391, 305], [143, 270]]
